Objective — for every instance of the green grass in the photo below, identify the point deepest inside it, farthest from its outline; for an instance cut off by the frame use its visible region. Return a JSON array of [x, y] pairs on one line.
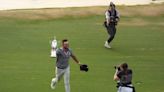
[[25, 65]]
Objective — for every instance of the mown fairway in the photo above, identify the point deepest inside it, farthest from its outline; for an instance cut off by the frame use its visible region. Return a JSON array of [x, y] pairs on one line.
[[25, 65]]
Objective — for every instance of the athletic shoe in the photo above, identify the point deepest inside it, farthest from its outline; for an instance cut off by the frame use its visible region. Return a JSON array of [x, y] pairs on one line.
[[53, 83], [107, 45]]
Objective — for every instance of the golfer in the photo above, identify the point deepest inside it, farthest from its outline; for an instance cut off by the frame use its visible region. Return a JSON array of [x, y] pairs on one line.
[[112, 17], [62, 65], [123, 76]]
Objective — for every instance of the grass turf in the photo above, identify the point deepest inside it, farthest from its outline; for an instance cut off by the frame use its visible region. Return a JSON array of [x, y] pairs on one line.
[[25, 64]]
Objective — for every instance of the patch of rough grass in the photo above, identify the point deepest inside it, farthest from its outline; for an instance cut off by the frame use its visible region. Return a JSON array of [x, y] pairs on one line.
[[52, 13], [146, 10], [134, 21]]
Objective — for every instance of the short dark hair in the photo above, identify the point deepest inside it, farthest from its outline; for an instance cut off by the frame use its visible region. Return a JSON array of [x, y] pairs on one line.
[[112, 4], [124, 66], [64, 40]]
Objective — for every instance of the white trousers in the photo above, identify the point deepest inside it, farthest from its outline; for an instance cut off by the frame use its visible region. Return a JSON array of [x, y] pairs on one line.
[[66, 73], [125, 89]]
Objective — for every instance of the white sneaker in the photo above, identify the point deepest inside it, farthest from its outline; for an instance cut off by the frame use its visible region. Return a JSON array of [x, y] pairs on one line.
[[53, 83], [107, 45]]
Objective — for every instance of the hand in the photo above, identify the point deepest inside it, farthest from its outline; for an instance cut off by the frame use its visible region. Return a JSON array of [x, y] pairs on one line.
[[54, 48], [117, 19], [116, 71], [108, 23], [79, 63], [111, 21]]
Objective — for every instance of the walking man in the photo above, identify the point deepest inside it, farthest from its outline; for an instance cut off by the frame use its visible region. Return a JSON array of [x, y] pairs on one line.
[[112, 17], [62, 65]]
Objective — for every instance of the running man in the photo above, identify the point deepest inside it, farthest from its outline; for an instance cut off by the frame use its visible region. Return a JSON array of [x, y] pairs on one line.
[[62, 65]]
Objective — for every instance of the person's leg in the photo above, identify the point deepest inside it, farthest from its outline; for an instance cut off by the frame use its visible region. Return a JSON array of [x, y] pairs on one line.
[[66, 79], [128, 89], [125, 89], [59, 74], [119, 89], [108, 28], [112, 32]]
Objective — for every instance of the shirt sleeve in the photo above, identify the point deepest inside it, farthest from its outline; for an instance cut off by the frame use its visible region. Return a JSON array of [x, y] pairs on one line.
[[107, 15], [70, 52], [58, 52], [130, 71], [117, 14]]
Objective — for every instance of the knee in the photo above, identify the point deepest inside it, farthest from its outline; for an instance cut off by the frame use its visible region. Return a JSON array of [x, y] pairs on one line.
[[66, 82], [57, 78]]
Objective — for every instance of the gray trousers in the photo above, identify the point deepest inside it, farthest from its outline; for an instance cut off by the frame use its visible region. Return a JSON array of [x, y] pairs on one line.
[[125, 89], [111, 29], [66, 73]]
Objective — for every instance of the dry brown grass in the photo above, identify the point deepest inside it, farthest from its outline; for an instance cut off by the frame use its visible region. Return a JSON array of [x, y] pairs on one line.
[[134, 21], [51, 13], [148, 10]]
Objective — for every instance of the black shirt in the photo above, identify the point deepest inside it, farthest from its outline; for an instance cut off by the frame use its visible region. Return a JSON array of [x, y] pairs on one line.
[[125, 76]]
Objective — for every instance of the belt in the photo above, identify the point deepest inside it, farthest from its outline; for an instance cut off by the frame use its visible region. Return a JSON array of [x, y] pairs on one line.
[[60, 68]]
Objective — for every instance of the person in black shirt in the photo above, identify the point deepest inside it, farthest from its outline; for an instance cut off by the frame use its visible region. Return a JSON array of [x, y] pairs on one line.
[[123, 76], [111, 19]]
